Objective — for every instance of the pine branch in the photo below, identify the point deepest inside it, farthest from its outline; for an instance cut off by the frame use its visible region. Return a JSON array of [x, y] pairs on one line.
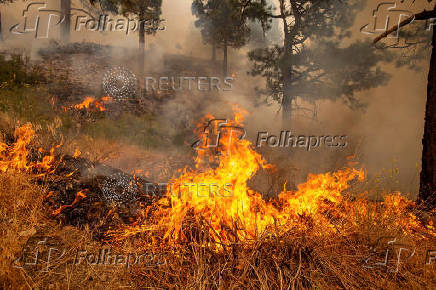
[[424, 15]]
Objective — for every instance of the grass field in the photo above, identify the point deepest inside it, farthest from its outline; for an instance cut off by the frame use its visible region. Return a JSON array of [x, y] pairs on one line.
[[327, 234]]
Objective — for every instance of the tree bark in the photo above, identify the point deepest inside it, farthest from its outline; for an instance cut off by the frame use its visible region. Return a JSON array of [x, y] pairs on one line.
[[1, 32], [66, 24], [427, 190], [427, 186], [141, 47], [286, 70], [225, 59], [214, 52]]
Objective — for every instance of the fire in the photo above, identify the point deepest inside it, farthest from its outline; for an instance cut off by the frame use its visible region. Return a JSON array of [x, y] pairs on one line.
[[215, 194], [15, 157], [77, 153], [79, 196], [236, 213], [91, 102], [219, 196]]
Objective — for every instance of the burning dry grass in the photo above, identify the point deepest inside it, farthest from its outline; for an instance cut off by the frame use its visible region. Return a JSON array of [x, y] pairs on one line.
[[321, 236], [23, 218], [292, 260]]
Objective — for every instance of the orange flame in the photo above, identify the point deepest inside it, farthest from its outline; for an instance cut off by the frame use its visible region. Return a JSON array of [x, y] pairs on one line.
[[77, 153], [220, 195], [91, 102], [79, 196], [15, 156], [216, 193]]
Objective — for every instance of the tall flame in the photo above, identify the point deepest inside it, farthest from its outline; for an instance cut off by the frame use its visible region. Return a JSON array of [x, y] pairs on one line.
[[220, 196], [15, 157]]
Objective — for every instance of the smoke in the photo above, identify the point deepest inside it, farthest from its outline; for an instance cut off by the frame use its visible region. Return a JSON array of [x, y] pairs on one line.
[[386, 135]]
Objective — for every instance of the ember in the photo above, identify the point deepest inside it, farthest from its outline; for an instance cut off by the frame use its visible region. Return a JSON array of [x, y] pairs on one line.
[[79, 196]]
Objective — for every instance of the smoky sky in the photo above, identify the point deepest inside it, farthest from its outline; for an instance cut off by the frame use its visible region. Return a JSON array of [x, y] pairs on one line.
[[385, 135]]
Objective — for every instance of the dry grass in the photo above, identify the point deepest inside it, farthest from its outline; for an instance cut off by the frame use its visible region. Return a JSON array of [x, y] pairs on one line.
[[292, 260], [23, 219], [287, 260]]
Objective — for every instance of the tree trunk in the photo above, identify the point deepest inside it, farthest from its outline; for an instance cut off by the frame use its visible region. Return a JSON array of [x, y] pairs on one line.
[[65, 25], [287, 91], [286, 111], [225, 59], [427, 189], [286, 70], [141, 49], [214, 53], [1, 33]]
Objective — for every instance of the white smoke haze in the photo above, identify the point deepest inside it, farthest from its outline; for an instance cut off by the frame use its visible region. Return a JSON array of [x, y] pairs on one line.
[[387, 134]]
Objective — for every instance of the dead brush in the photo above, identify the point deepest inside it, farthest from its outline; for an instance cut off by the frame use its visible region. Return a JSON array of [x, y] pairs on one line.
[[23, 219], [332, 242], [292, 260]]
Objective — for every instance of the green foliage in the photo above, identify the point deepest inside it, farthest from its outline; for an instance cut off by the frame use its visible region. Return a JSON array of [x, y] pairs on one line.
[[16, 71], [26, 104], [313, 62], [224, 22], [140, 130], [146, 10]]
